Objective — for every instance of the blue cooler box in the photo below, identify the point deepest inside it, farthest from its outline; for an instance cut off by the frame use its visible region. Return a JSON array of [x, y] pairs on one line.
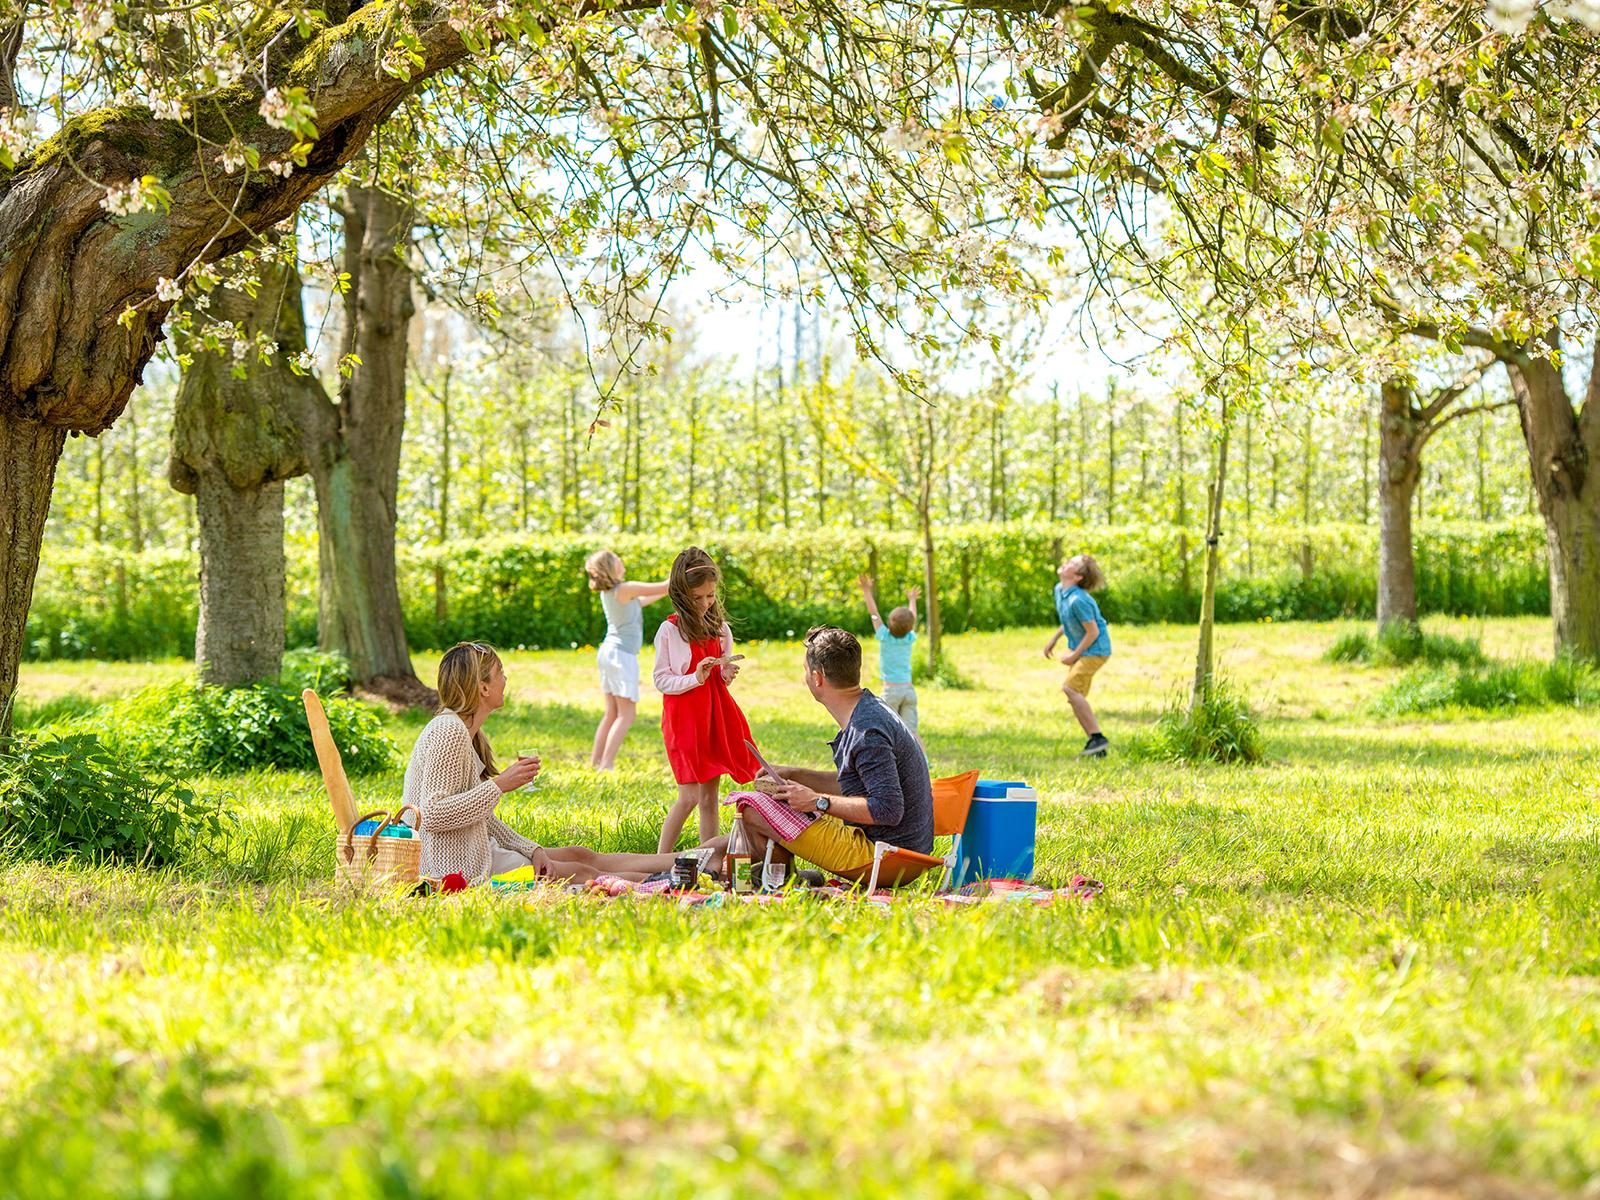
[[998, 840]]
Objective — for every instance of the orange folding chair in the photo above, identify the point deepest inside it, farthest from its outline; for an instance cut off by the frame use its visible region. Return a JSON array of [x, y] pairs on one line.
[[893, 865]]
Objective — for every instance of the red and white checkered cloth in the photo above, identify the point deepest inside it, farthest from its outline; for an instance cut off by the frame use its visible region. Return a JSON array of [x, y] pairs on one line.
[[783, 820]]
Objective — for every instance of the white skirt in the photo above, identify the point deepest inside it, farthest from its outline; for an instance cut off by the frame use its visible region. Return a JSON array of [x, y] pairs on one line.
[[619, 672]]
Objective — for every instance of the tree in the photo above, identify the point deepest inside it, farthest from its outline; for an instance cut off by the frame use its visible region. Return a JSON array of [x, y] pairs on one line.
[[929, 434], [1405, 424], [354, 449], [234, 442], [865, 128]]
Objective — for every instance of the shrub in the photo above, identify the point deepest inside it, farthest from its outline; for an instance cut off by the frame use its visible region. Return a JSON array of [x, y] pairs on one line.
[[240, 729], [25, 715], [1350, 648], [530, 591], [1221, 729], [1525, 684], [1403, 643], [321, 671], [71, 795]]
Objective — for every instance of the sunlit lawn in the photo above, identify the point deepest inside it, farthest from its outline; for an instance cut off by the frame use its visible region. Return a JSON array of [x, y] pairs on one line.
[[1368, 967]]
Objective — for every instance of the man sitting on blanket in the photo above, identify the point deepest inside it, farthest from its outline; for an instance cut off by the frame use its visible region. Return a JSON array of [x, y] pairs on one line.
[[879, 791]]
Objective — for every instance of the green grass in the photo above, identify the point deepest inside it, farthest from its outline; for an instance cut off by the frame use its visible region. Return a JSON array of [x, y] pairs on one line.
[[1404, 643], [1522, 684], [1369, 965]]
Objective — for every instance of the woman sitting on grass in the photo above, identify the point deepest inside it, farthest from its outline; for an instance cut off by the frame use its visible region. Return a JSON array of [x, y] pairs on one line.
[[453, 782]]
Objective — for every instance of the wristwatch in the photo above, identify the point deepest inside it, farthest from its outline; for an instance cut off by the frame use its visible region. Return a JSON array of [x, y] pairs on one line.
[[823, 804]]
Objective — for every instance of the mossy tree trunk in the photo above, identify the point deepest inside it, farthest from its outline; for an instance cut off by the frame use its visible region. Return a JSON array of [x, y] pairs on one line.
[[30, 450], [1563, 442], [234, 442], [354, 446]]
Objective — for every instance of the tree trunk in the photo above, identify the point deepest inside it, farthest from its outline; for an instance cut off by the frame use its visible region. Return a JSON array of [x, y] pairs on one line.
[[1055, 452], [1111, 452], [29, 451], [1205, 656], [930, 585], [355, 461], [234, 442], [239, 638], [1181, 518], [1564, 458], [930, 574], [1398, 465]]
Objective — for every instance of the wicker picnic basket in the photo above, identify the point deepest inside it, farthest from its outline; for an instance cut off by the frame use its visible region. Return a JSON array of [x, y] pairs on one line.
[[381, 859]]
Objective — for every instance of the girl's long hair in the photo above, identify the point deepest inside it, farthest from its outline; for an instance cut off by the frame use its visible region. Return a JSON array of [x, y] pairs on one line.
[[1093, 578], [690, 570], [604, 569], [463, 671]]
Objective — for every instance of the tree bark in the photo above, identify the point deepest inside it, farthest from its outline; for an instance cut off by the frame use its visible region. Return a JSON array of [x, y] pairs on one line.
[[234, 442], [1399, 462], [239, 637], [29, 450], [1563, 454], [355, 457]]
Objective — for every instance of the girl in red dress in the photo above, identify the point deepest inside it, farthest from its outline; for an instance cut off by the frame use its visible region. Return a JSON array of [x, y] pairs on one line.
[[700, 722]]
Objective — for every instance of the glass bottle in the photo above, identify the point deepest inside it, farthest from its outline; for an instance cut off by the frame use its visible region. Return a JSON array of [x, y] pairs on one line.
[[739, 875]]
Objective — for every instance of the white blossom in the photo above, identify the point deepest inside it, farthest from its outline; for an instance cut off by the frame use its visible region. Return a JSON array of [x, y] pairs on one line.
[[275, 109], [1510, 17], [169, 290], [94, 21], [656, 31]]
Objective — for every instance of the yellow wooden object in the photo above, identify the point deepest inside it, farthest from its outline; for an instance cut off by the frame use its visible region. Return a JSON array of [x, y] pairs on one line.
[[333, 776]]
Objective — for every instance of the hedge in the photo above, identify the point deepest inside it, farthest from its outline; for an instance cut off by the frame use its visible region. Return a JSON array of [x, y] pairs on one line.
[[530, 591]]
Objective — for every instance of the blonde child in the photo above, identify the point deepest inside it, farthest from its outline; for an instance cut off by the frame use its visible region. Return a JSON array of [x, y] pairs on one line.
[[1089, 639], [894, 652], [618, 656], [701, 723]]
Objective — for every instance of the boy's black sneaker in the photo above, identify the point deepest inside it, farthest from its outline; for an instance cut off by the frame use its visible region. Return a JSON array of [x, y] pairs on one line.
[[1095, 747]]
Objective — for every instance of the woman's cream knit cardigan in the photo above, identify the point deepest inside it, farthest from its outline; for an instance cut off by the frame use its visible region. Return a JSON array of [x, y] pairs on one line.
[[445, 782]]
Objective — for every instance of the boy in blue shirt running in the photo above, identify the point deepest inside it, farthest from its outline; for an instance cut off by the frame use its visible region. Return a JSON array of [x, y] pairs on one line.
[[894, 652], [1089, 639]]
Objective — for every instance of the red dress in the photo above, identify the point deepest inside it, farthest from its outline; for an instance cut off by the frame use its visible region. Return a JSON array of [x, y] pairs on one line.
[[704, 728]]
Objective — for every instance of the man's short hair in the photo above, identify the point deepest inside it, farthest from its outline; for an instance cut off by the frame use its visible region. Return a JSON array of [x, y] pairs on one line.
[[836, 653]]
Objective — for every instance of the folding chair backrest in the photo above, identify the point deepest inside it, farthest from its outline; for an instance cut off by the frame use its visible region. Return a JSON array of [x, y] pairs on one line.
[[952, 799], [333, 776]]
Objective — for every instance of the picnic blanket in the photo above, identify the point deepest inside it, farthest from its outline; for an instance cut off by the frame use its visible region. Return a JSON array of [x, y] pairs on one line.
[[1011, 890]]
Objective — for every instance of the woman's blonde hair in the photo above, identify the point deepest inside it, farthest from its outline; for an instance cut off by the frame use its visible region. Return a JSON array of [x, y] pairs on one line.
[[1090, 577], [690, 570], [463, 671], [604, 569]]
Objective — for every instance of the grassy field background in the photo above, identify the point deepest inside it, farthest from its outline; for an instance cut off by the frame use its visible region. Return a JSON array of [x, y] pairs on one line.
[[1367, 967]]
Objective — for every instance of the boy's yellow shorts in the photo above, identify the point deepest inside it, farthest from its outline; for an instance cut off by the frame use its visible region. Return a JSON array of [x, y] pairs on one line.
[[1082, 673], [833, 845]]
